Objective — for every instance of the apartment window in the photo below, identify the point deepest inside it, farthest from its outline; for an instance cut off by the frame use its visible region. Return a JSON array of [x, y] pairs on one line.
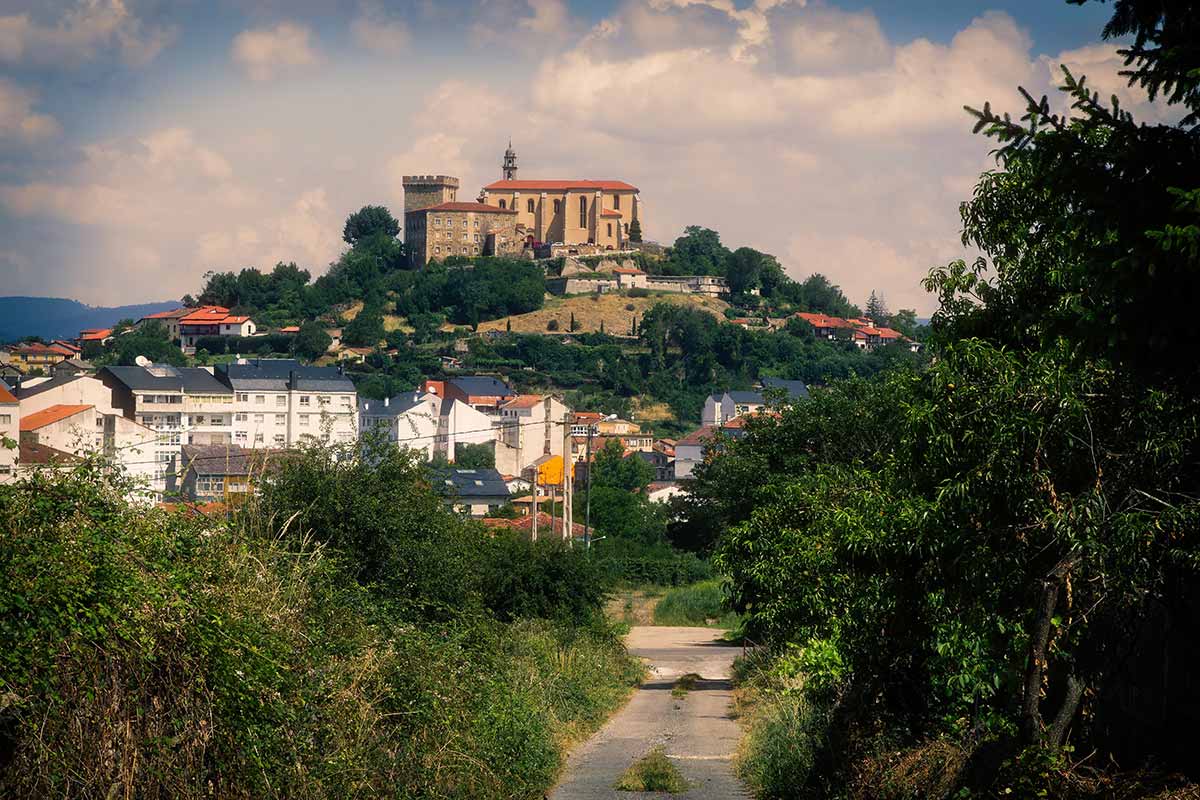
[[280, 401], [5, 469], [529, 205], [323, 401], [502, 204], [476, 224], [583, 212], [243, 398], [437, 222], [304, 420], [345, 404], [258, 438], [610, 229], [616, 201], [281, 419], [239, 437], [210, 485], [558, 206], [305, 400], [258, 419], [464, 222], [280, 440], [5, 419], [199, 419], [242, 417], [260, 399], [466, 236]]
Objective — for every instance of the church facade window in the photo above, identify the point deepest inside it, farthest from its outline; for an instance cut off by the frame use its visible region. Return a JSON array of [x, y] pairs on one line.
[[583, 212], [502, 205], [616, 201], [529, 205]]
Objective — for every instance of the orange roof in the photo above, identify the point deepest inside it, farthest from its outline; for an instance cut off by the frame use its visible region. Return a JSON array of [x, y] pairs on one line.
[[517, 186], [482, 208], [698, 436], [823, 320], [234, 320], [523, 401], [50, 415], [62, 351], [889, 333], [588, 416], [95, 334], [629, 271], [290, 329], [608, 212], [6, 396], [205, 315], [38, 348], [67, 345]]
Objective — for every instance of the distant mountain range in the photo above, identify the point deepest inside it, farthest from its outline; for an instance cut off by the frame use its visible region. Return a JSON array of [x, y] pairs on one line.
[[60, 318]]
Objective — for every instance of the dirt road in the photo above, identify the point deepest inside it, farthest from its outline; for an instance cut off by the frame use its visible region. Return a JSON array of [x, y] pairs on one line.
[[695, 730]]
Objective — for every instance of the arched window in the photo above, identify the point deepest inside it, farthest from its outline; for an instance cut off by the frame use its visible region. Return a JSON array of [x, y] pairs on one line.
[[502, 205], [529, 205], [583, 212], [558, 206]]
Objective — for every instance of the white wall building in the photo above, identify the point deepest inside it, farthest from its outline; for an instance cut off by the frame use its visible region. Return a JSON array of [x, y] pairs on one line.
[[280, 403], [10, 421], [530, 426], [406, 420]]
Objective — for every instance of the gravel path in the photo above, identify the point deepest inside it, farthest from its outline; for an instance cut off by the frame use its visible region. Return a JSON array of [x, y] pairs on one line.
[[696, 731]]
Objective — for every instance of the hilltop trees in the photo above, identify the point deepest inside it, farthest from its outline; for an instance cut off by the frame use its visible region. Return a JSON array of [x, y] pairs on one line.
[[311, 341], [370, 221]]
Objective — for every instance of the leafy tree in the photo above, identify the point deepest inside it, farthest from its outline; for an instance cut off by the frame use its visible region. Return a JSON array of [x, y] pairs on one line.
[[149, 340], [610, 468], [635, 231], [474, 456], [366, 329], [698, 252], [369, 221], [311, 341], [905, 321]]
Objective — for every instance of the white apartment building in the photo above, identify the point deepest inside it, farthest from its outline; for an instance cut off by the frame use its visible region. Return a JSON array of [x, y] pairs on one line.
[[10, 420], [530, 426], [281, 403], [406, 420]]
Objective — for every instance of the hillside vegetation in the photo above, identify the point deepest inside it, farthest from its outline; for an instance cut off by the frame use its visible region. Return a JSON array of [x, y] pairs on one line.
[[615, 312], [343, 636]]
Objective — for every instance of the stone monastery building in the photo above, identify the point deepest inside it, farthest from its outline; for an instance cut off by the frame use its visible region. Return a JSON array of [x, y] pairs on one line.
[[512, 214]]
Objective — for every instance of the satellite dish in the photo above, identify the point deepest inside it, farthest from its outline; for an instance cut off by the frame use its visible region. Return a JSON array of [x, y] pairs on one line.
[[142, 361]]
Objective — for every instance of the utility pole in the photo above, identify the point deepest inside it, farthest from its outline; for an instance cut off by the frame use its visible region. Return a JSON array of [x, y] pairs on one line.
[[587, 507], [567, 488]]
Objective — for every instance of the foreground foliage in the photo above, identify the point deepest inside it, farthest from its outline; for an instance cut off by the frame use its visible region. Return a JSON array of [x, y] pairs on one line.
[[162, 654]]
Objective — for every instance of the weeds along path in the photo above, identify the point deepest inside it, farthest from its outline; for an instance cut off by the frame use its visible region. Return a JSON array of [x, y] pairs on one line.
[[695, 729]]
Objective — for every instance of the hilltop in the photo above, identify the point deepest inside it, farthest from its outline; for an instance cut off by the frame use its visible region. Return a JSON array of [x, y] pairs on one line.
[[617, 312]]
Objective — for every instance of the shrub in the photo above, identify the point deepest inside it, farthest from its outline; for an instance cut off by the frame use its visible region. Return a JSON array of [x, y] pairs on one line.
[[638, 291], [543, 579], [552, 325]]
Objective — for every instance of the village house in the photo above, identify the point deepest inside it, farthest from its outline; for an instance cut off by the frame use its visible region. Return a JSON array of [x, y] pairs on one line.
[[10, 432], [168, 319], [208, 473], [100, 336], [529, 427], [481, 392], [212, 321], [408, 420], [474, 492], [36, 357], [721, 408]]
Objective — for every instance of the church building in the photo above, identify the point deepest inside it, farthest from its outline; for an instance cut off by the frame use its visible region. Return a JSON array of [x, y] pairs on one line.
[[595, 212], [511, 214]]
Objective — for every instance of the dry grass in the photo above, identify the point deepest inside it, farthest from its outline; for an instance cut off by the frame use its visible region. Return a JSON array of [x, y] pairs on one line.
[[591, 310], [653, 772], [633, 606], [648, 411]]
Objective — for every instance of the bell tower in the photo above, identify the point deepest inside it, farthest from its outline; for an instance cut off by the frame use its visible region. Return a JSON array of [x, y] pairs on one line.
[[510, 162]]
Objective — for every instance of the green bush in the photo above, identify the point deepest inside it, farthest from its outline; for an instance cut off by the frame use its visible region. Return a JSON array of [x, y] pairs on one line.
[[638, 291], [634, 563], [543, 579], [698, 604], [281, 652]]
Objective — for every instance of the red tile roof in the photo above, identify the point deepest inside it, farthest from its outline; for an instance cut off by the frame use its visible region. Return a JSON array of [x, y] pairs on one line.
[[290, 329], [697, 436], [525, 525], [629, 271], [524, 401], [238, 320], [95, 334], [584, 417], [67, 345], [823, 320], [50, 415], [62, 351], [482, 208], [38, 349], [517, 186], [205, 315], [6, 396], [608, 212]]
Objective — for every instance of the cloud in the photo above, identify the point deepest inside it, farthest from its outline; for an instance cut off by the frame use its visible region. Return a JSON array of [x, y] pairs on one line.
[[375, 30], [264, 53], [17, 118], [81, 34], [549, 17]]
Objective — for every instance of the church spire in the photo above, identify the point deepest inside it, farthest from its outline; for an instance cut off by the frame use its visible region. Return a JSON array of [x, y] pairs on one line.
[[510, 162]]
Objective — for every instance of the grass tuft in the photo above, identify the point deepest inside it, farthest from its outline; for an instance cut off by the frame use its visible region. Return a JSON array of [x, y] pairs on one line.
[[653, 772], [684, 684]]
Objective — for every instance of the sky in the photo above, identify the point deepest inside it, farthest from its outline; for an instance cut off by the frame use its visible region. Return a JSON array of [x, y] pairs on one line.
[[146, 142]]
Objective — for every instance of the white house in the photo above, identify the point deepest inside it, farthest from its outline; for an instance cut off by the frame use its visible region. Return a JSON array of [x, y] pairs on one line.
[[406, 420], [10, 420], [280, 403], [530, 426]]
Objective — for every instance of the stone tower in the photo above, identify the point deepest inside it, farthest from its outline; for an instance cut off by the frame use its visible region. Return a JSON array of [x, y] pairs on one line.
[[423, 191], [510, 162]]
